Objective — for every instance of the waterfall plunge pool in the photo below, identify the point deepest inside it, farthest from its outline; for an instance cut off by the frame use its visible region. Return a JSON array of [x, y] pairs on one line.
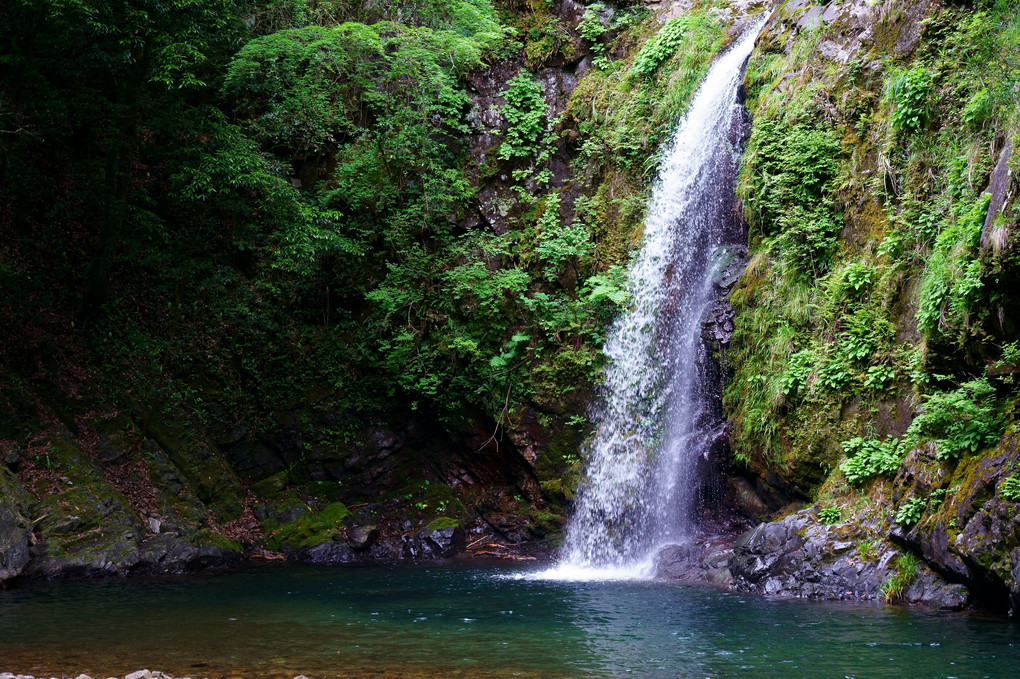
[[279, 620]]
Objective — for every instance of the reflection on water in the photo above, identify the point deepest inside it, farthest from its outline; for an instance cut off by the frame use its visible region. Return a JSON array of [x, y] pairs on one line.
[[458, 621]]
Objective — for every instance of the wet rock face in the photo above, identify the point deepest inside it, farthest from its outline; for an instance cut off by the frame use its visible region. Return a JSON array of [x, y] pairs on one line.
[[799, 556], [705, 561], [1014, 593], [998, 189]]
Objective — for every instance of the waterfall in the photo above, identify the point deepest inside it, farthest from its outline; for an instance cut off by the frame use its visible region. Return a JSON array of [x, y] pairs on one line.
[[658, 409]]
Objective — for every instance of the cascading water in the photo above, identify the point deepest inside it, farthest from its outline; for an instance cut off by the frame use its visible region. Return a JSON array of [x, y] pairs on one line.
[[657, 411]]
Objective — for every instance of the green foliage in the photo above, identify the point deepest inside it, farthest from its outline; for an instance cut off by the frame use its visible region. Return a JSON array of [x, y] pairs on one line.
[[952, 279], [560, 247], [865, 332], [441, 523], [859, 276], [787, 183], [591, 27], [960, 421], [1010, 355], [978, 109], [834, 374], [910, 92], [871, 457], [622, 121], [910, 511], [824, 338], [1009, 488], [312, 528], [301, 88], [879, 376], [661, 47], [896, 586], [830, 515], [795, 378], [525, 114]]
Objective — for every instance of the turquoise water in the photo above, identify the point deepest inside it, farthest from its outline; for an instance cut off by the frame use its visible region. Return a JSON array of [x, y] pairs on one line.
[[469, 621]]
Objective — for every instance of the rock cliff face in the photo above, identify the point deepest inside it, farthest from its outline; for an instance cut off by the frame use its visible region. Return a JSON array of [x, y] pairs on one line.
[[856, 365]]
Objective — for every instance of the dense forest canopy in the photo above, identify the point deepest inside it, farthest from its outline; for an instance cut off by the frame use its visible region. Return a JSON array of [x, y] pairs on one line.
[[286, 185]]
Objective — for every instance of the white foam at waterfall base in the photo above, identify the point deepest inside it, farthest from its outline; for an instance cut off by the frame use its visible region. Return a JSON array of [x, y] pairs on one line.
[[569, 572], [654, 417]]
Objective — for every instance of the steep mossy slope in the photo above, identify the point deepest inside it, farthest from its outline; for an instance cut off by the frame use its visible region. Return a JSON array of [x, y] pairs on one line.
[[876, 345]]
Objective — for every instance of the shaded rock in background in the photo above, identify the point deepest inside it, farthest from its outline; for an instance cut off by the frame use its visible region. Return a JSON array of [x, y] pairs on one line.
[[15, 526], [444, 542], [705, 561], [361, 537], [327, 552]]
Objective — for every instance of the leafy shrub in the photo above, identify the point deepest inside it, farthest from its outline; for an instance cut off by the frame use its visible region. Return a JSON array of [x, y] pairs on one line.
[[806, 238], [1010, 355], [559, 245], [524, 112], [870, 457], [910, 93], [859, 276], [834, 374], [865, 333], [879, 376], [910, 511], [1010, 488], [830, 515], [964, 420], [660, 48], [591, 27]]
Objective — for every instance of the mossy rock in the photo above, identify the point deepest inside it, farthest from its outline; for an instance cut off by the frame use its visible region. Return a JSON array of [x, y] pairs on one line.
[[271, 486], [314, 528], [200, 464]]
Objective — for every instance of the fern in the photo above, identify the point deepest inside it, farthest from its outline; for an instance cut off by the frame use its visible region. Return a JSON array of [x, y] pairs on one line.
[[660, 48]]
